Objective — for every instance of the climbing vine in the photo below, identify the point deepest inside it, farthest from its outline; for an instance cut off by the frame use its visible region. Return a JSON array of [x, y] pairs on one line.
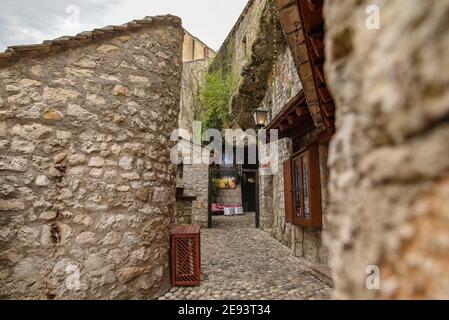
[[215, 97]]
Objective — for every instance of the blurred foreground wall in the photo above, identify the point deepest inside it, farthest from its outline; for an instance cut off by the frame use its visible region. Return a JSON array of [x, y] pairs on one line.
[[390, 156]]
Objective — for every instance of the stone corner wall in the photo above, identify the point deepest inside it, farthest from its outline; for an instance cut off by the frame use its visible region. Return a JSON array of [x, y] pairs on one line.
[[86, 183], [196, 183], [389, 159], [193, 78]]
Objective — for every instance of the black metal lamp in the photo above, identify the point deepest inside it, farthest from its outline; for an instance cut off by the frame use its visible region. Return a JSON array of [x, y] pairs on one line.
[[260, 117]]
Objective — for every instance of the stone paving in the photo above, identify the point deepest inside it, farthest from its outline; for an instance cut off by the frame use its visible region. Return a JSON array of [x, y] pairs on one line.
[[241, 262]]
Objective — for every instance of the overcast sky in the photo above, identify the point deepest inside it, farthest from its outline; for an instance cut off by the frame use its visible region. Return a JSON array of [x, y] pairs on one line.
[[32, 21]]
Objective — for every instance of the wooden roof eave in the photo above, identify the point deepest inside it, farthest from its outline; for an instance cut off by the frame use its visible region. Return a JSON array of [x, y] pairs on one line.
[[293, 120], [287, 109], [303, 24]]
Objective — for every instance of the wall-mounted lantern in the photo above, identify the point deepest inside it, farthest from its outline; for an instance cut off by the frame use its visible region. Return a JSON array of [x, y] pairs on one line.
[[260, 117]]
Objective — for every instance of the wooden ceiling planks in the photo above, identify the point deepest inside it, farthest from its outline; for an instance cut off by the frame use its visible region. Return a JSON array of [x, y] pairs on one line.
[[303, 24]]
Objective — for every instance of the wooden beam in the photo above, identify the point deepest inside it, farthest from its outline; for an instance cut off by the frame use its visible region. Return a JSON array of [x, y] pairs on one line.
[[291, 118], [298, 100], [298, 131], [325, 96], [302, 110], [314, 5], [324, 137], [283, 126], [329, 109], [319, 71], [317, 44]]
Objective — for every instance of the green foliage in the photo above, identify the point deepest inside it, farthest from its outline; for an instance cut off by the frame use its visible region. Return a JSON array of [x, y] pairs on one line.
[[225, 56], [216, 97], [124, 297]]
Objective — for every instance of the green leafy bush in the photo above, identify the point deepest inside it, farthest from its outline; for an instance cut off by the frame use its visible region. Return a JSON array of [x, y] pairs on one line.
[[216, 96]]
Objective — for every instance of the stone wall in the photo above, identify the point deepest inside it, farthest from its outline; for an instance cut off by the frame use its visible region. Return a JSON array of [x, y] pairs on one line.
[[229, 196], [195, 182], [194, 49], [195, 65], [283, 82], [248, 55], [86, 182], [390, 158], [183, 214], [280, 230], [283, 85], [193, 78], [236, 50]]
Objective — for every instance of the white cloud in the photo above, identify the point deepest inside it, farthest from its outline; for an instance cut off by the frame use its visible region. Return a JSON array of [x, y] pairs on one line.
[[30, 21]]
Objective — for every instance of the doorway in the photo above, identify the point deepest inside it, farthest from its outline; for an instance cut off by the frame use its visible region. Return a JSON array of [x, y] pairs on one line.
[[249, 191], [243, 195]]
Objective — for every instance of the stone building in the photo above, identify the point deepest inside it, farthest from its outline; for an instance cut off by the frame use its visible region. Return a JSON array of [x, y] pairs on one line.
[[192, 179], [378, 151], [248, 55], [192, 185], [195, 66], [86, 183], [257, 53], [388, 158], [194, 49]]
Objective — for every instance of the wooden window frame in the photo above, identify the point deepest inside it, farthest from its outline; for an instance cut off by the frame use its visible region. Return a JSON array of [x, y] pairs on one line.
[[311, 153]]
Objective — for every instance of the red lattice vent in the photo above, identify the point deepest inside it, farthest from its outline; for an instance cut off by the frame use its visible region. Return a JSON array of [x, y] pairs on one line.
[[186, 260]]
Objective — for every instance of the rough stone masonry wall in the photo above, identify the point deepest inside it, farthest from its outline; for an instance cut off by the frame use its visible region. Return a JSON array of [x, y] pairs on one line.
[[283, 82], [193, 78], [196, 183], [229, 196], [283, 85], [183, 214], [196, 177], [86, 183], [236, 50], [390, 157]]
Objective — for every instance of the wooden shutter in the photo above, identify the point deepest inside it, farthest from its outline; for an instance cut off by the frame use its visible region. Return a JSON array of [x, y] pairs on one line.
[[288, 193], [315, 185]]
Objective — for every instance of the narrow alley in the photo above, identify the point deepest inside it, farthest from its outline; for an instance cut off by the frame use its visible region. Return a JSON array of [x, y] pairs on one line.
[[241, 262], [253, 149]]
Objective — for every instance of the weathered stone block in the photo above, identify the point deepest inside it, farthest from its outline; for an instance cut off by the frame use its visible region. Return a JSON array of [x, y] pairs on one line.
[[105, 48], [11, 205], [53, 115], [96, 162], [126, 162], [28, 236], [112, 238], [77, 159], [30, 132], [86, 238], [3, 129], [131, 176], [48, 215], [60, 94], [25, 147]]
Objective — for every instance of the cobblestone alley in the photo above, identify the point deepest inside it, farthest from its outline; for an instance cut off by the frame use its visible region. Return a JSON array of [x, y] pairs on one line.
[[241, 262]]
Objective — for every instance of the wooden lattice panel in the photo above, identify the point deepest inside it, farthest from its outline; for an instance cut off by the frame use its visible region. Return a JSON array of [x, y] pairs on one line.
[[186, 260]]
